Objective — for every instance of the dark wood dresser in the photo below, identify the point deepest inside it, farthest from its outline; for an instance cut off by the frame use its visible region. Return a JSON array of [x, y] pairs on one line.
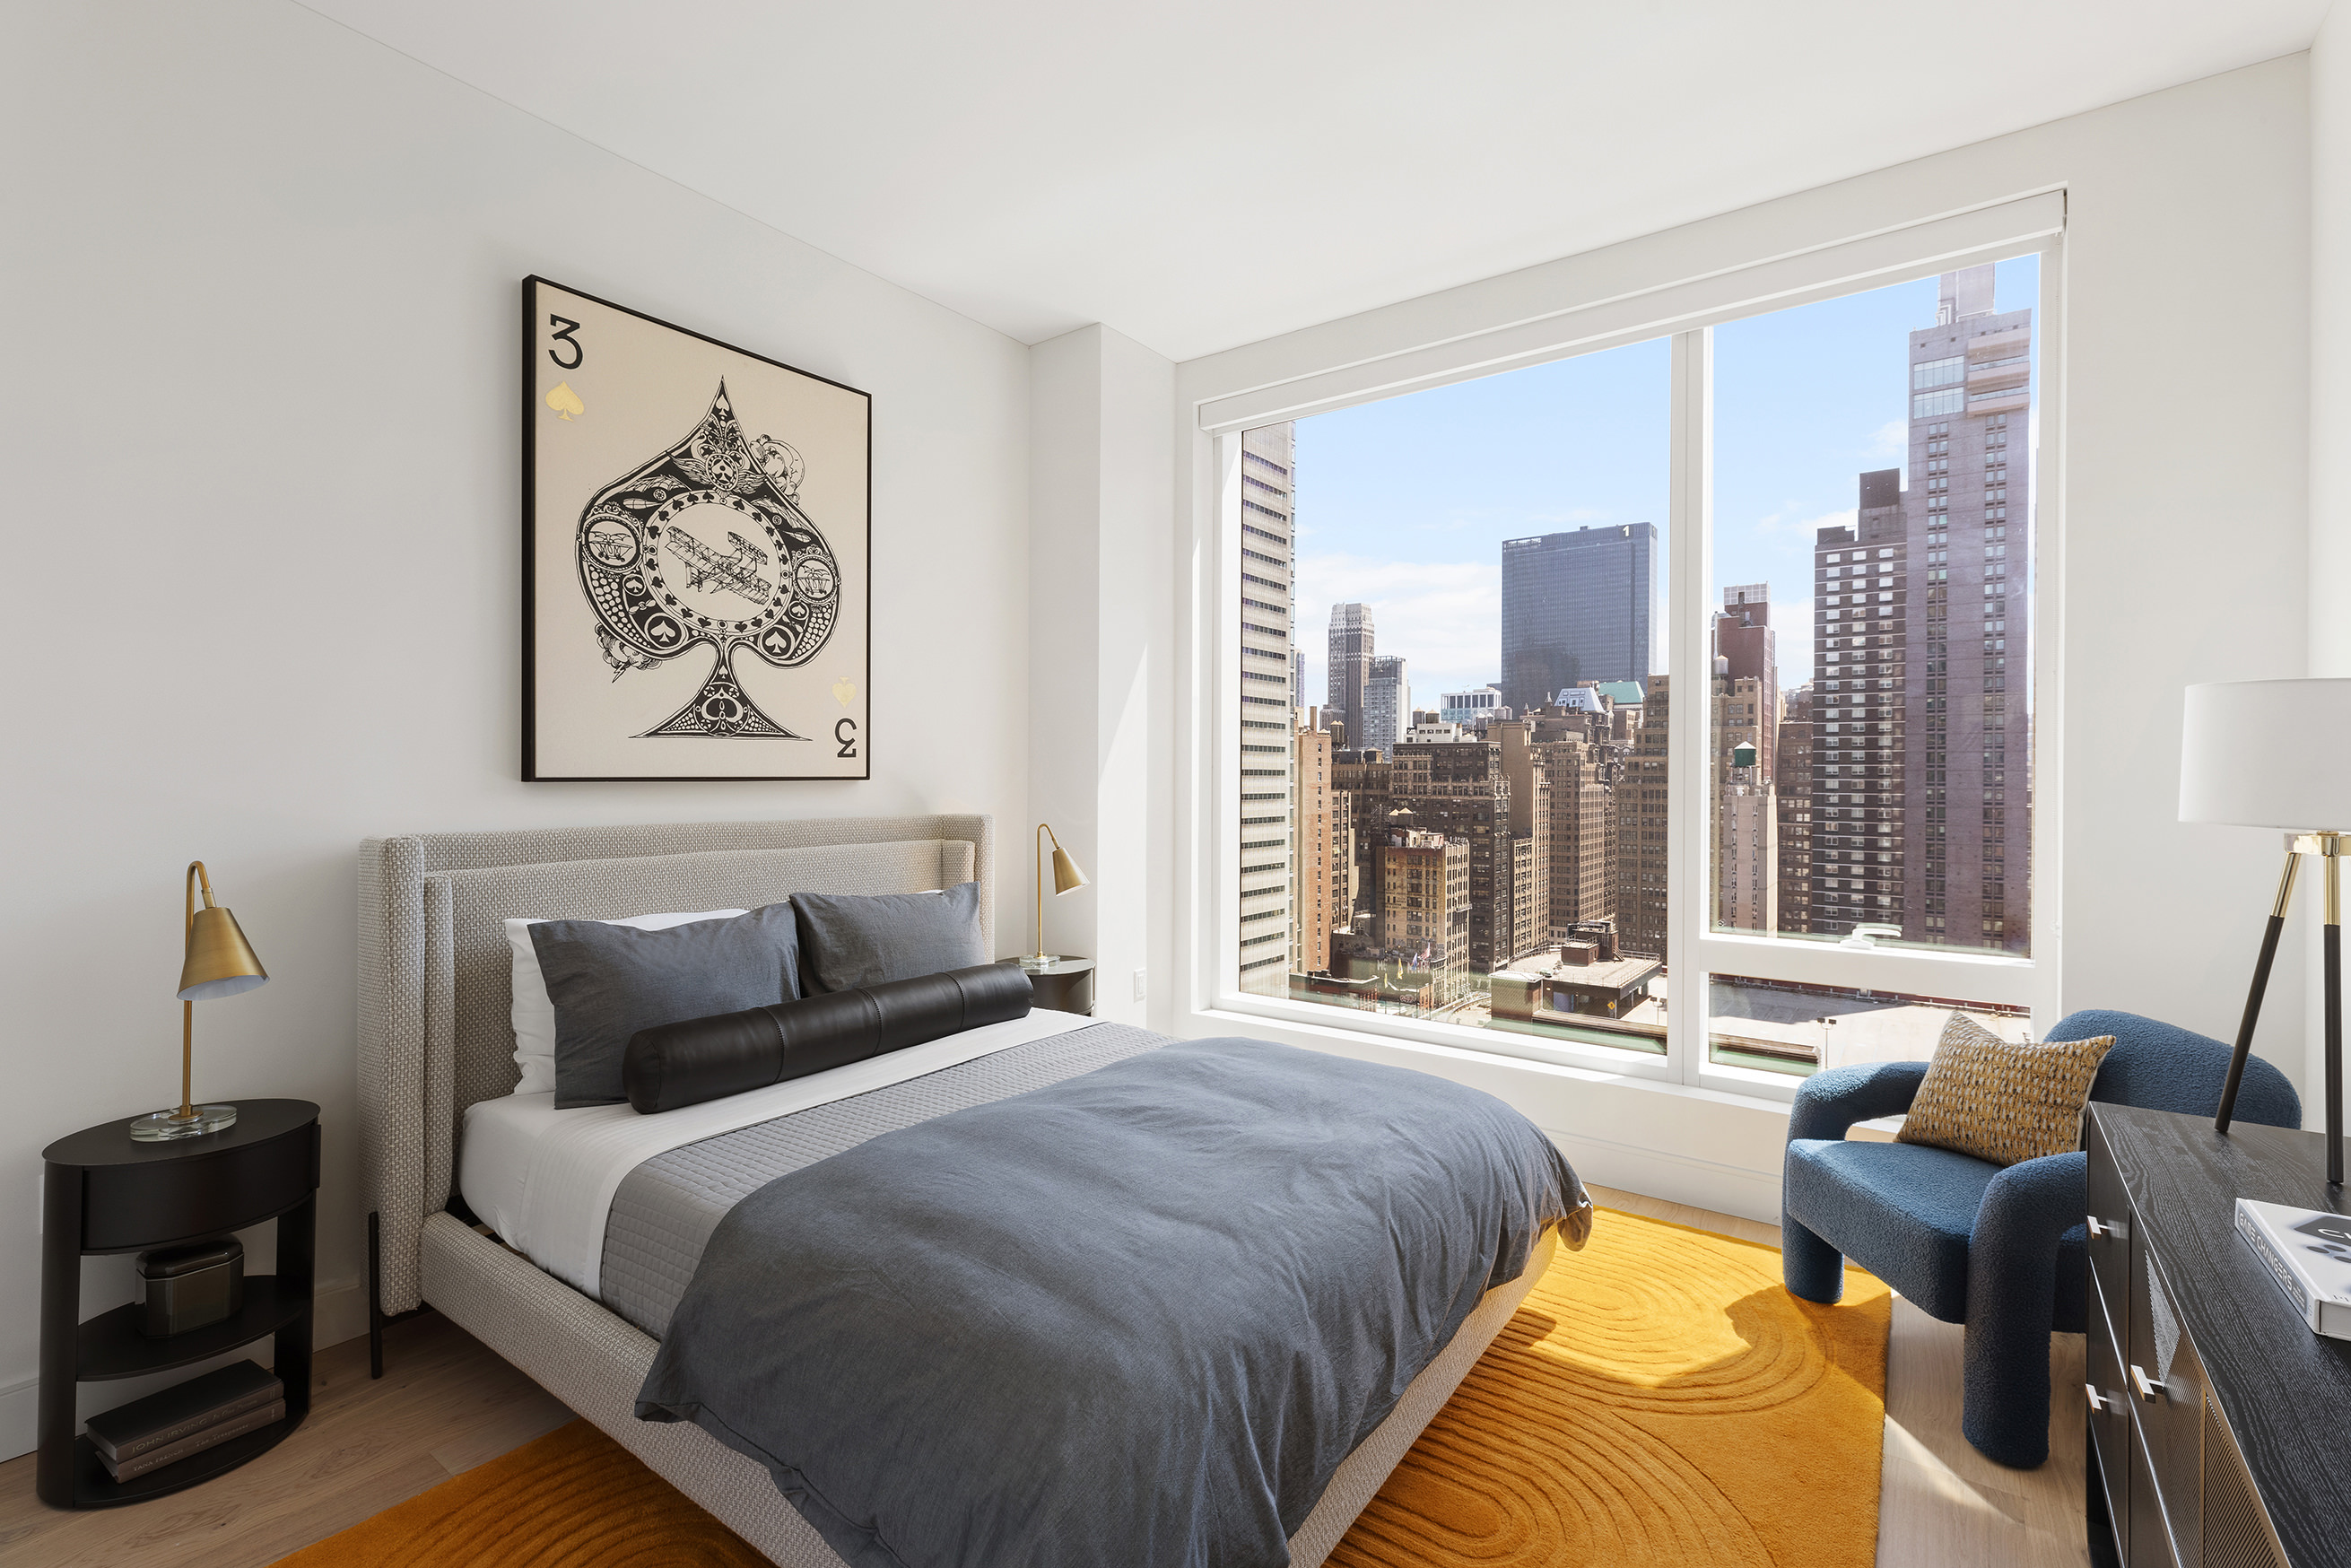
[[2219, 1424]]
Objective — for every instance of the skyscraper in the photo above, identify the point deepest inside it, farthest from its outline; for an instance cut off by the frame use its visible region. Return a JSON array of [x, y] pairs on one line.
[[1745, 811], [1793, 754], [1348, 668], [1582, 840], [1577, 607], [1312, 885], [1269, 790], [1387, 705], [1642, 840], [1364, 784], [1861, 603], [1528, 768], [1744, 639], [1968, 841], [1747, 897], [1918, 821]]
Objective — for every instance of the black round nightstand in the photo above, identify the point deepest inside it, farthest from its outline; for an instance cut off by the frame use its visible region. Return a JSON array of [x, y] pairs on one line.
[[102, 1193], [1066, 985]]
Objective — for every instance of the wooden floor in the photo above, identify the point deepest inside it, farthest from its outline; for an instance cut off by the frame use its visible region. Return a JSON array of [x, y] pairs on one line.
[[448, 1404]]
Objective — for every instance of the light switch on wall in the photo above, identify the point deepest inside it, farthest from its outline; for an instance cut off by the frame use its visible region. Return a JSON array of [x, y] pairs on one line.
[[1141, 987]]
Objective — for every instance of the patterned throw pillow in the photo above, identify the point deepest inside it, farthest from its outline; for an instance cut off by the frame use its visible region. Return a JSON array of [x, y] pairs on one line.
[[2001, 1101]]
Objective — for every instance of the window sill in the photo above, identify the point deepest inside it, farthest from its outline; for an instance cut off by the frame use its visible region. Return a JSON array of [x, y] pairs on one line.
[[1402, 1051], [1707, 1146]]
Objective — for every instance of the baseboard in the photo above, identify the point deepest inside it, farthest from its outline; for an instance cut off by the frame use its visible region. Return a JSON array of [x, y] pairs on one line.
[[17, 1421], [1676, 1177], [339, 1313]]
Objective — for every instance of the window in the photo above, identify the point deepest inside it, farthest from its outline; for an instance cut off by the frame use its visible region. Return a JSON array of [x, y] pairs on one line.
[[1505, 865], [1823, 849], [1937, 373], [1926, 722]]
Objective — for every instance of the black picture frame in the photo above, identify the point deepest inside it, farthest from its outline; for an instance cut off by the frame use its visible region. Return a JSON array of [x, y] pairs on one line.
[[578, 644]]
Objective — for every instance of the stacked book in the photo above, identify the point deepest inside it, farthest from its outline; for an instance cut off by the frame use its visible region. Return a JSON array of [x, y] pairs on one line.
[[186, 1418], [2309, 1252]]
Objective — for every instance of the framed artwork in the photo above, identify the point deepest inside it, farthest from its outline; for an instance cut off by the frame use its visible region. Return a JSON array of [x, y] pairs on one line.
[[697, 554]]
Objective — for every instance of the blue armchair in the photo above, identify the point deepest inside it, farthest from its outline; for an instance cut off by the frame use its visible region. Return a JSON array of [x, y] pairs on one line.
[[2000, 1249]]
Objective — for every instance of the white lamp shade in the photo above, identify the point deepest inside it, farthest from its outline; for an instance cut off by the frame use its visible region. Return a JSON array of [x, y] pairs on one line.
[[2267, 754]]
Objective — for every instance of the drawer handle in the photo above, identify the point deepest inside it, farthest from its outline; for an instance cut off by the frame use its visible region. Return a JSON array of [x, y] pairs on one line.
[[2102, 1404], [2115, 1229], [2148, 1390]]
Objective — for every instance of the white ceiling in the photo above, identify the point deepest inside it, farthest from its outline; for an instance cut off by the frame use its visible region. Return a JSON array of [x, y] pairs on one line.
[[1208, 173]]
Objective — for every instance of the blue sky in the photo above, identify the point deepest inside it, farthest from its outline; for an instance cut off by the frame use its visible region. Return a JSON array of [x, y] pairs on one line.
[[1404, 505]]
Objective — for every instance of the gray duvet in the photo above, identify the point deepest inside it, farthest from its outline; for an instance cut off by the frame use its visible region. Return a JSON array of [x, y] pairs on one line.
[[1136, 1318]]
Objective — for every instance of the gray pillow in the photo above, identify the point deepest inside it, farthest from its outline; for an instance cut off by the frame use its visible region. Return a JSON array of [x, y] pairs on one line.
[[848, 940], [609, 981]]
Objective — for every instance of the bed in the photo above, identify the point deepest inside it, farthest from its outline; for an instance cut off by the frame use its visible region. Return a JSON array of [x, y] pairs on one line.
[[577, 1293]]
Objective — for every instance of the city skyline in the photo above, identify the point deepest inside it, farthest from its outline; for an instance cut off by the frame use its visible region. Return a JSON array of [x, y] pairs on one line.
[[1405, 503]]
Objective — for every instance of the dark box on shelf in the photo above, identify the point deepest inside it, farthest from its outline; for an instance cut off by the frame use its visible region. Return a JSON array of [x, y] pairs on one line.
[[190, 1287]]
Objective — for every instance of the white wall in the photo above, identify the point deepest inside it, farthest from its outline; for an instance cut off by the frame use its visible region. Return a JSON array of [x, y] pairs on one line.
[[1102, 493], [2330, 419], [260, 284], [2330, 345], [2184, 472]]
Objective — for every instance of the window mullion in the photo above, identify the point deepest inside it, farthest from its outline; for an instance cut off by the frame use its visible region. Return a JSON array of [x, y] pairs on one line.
[[1687, 860]]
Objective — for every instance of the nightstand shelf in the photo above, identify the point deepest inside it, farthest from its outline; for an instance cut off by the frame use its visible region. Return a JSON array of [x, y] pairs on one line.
[[113, 1346], [93, 1488], [103, 1193]]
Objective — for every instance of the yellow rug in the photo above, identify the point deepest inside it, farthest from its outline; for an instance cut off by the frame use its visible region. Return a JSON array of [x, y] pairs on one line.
[[574, 1499], [1658, 1400]]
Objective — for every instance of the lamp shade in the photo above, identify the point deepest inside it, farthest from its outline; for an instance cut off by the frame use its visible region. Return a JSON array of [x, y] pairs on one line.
[[220, 961], [1067, 877], [2267, 754]]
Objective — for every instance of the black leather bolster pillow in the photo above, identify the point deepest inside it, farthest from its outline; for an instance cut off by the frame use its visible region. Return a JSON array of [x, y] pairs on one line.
[[675, 1064]]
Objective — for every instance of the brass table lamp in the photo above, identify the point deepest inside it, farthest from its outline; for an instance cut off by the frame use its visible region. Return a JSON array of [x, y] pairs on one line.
[[1067, 878], [219, 962]]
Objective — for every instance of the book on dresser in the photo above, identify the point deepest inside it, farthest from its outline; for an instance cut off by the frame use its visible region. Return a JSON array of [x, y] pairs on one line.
[[186, 1418], [2308, 1253]]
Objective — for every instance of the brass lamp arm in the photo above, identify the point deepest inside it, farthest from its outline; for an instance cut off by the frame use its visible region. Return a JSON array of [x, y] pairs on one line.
[[197, 876], [1067, 878], [1044, 832]]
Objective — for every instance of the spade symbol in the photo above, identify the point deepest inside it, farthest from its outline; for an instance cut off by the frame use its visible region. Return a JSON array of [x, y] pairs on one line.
[[648, 544], [564, 400]]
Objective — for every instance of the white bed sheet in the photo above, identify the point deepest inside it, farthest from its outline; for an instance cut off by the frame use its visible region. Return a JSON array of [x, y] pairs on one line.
[[544, 1179]]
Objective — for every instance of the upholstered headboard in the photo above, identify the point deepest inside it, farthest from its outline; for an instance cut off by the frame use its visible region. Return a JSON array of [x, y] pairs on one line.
[[434, 1030]]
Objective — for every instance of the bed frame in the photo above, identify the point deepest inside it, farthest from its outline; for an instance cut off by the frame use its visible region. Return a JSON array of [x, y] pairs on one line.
[[434, 1037]]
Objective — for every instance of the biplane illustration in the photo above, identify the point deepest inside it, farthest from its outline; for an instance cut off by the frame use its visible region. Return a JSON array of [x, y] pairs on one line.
[[740, 572]]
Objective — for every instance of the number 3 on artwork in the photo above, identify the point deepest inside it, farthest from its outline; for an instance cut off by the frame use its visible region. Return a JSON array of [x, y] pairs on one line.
[[564, 328]]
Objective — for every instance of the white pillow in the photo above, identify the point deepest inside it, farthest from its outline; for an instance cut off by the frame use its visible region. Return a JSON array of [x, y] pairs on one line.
[[534, 1012]]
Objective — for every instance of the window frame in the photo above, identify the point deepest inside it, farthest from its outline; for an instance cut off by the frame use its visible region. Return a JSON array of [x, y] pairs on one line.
[[1686, 311]]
